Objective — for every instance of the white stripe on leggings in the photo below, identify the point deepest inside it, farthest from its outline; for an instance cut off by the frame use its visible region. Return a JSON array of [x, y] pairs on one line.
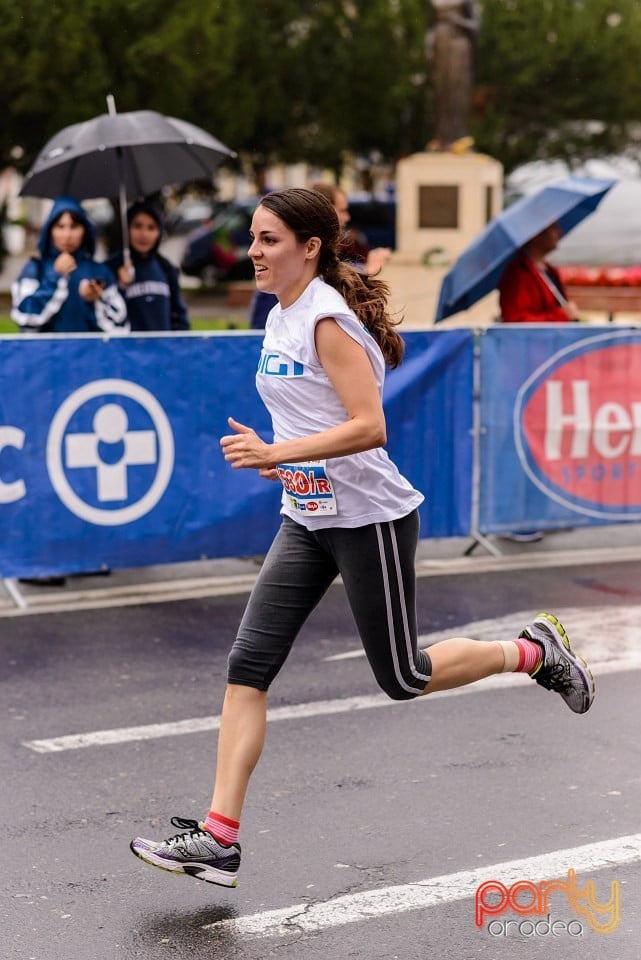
[[424, 677], [390, 613]]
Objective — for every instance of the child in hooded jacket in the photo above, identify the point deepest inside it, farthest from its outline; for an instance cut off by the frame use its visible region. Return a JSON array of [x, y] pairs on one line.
[[65, 290], [150, 286]]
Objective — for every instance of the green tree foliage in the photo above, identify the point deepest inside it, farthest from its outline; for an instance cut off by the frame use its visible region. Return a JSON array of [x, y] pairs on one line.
[[364, 83], [319, 80], [50, 68], [558, 78]]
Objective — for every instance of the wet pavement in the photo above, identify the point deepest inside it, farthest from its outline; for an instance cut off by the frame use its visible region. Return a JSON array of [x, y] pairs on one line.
[[369, 824]]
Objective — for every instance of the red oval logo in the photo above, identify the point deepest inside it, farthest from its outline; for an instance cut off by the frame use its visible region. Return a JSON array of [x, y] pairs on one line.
[[581, 426]]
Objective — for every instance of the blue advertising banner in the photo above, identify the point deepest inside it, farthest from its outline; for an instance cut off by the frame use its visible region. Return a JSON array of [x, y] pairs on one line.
[[110, 456], [428, 407], [561, 427], [109, 452]]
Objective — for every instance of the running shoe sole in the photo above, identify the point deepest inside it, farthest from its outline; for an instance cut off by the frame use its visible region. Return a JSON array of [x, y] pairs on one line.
[[561, 640], [200, 871]]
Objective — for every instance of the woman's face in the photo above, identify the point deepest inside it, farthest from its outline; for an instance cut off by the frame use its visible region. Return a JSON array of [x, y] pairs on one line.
[[144, 233], [282, 265], [546, 241], [66, 235], [341, 206]]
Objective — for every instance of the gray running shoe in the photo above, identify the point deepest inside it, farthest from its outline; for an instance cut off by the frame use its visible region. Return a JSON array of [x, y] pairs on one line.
[[194, 852], [561, 670]]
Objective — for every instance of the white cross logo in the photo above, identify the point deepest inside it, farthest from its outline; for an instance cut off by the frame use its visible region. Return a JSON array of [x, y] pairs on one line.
[[110, 426]]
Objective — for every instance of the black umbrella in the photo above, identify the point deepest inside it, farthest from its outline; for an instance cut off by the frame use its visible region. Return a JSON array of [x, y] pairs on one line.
[[123, 155]]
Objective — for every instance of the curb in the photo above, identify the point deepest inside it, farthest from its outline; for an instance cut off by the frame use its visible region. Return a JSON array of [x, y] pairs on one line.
[[61, 600]]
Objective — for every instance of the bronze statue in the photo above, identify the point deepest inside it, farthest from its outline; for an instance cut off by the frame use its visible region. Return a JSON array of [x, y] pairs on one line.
[[450, 50]]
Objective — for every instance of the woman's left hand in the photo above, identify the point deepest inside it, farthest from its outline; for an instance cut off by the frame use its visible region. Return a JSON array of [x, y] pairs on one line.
[[244, 448], [269, 473], [91, 290]]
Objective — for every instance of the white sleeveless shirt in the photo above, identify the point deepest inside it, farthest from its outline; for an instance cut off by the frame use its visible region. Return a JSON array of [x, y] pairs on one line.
[[348, 491]]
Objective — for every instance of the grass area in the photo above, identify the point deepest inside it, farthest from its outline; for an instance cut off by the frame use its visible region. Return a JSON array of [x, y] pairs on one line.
[[197, 323], [218, 323]]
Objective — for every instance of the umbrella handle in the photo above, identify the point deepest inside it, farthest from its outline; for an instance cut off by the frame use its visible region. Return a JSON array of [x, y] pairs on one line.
[[122, 197], [122, 194]]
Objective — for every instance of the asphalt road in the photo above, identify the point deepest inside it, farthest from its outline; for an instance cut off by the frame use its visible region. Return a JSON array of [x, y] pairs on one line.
[[352, 812]]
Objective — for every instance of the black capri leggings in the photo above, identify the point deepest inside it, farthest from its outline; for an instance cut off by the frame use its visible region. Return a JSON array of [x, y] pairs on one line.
[[376, 563]]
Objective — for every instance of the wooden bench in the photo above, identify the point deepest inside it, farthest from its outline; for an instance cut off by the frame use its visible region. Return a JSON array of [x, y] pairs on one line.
[[610, 300], [240, 293]]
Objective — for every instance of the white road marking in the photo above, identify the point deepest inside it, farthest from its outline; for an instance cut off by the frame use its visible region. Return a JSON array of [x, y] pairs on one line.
[[373, 904], [101, 738], [617, 648], [348, 655]]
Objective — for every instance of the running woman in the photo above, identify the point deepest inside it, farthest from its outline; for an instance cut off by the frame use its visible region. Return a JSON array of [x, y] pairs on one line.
[[346, 510]]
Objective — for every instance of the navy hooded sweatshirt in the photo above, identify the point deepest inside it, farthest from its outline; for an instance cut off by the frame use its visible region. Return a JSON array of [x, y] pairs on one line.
[[44, 300], [154, 300]]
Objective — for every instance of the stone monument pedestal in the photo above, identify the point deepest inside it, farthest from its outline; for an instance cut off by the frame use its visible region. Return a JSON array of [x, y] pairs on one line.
[[444, 200]]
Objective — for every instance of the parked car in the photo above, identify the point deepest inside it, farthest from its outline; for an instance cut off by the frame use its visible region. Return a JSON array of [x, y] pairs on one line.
[[188, 215], [217, 250], [376, 220]]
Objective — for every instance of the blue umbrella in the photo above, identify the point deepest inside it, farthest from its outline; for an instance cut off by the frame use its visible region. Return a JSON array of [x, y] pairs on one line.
[[478, 269]]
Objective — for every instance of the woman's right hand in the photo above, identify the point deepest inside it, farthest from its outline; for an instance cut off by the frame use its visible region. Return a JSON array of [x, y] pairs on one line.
[[572, 310], [126, 274], [376, 260], [64, 264], [244, 448]]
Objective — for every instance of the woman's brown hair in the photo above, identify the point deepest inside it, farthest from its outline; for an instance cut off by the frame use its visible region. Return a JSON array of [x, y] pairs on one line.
[[308, 213]]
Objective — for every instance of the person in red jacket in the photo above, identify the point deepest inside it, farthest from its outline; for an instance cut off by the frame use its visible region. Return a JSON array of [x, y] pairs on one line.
[[530, 289]]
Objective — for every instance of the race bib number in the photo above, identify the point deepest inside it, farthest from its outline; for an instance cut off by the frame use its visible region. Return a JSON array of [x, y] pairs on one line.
[[307, 487]]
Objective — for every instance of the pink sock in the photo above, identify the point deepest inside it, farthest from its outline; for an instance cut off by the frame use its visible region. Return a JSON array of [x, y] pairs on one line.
[[223, 829], [530, 655]]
